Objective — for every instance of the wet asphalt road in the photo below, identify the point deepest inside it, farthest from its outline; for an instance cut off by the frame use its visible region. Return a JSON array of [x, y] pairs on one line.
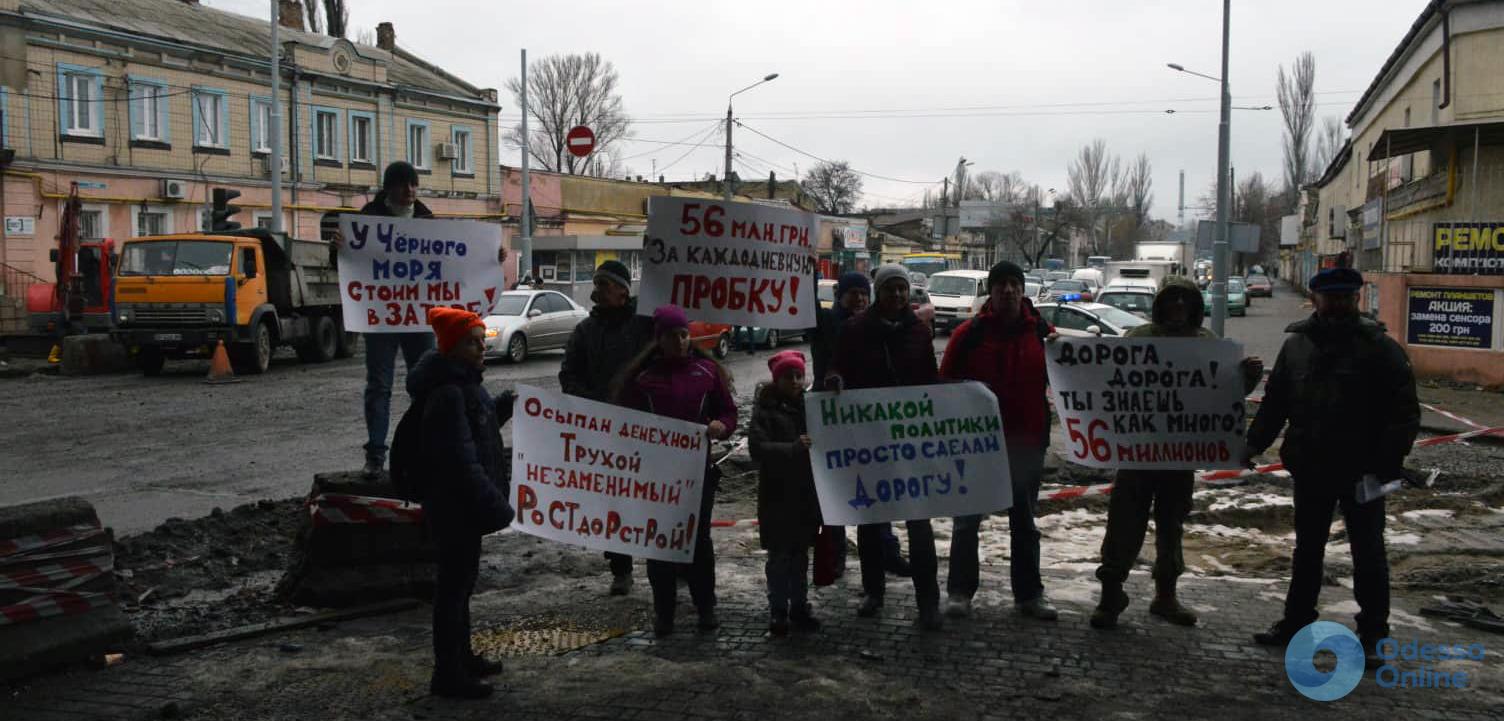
[[146, 449]]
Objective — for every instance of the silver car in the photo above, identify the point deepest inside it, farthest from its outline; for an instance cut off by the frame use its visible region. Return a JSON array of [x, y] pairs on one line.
[[524, 321], [1084, 320]]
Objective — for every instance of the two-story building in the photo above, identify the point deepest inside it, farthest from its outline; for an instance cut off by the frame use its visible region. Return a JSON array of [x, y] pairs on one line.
[[146, 105], [1415, 200]]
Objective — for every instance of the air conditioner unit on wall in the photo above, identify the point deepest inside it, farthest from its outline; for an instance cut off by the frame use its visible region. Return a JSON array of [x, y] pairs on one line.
[[176, 189], [446, 151], [266, 165]]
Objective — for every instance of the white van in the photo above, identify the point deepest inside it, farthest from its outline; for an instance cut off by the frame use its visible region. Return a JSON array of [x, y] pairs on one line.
[[958, 295]]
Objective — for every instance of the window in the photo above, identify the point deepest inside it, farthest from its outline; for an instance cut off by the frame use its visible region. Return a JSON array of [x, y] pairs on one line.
[[248, 262], [148, 109], [80, 92], [1073, 319], [417, 144], [172, 257], [91, 224], [361, 141], [584, 266], [210, 119], [326, 134], [263, 219], [151, 220], [261, 123], [554, 303], [461, 139]]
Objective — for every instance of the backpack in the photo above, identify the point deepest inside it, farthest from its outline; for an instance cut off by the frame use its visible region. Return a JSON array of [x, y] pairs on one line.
[[407, 444]]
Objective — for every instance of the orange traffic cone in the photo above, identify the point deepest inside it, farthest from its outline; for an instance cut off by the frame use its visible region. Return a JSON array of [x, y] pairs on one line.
[[219, 366]]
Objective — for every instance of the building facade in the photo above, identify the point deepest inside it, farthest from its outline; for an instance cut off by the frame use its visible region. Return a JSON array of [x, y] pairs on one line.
[[146, 105]]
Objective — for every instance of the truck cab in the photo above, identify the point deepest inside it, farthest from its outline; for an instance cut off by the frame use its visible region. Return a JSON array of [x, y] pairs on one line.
[[179, 296]]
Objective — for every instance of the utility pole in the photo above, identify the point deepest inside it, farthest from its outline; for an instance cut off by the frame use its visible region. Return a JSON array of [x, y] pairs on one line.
[[525, 262], [726, 181], [1180, 219], [1219, 244], [274, 119]]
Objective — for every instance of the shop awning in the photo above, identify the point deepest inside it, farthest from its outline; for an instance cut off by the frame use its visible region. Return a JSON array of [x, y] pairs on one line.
[[1404, 141]]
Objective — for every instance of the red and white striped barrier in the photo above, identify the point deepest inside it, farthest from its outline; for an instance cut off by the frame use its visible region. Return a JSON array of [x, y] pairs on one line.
[[1464, 421], [56, 537], [336, 508], [49, 579]]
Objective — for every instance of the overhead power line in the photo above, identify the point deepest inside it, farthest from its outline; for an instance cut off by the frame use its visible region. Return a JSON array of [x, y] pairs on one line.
[[823, 160]]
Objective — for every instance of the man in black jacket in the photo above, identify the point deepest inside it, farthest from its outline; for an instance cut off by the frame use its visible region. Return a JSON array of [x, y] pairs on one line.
[[1345, 394], [599, 348], [398, 198], [465, 487]]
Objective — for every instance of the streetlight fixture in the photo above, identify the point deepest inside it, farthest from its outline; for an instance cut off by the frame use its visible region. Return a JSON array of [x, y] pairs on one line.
[[1219, 243], [726, 184]]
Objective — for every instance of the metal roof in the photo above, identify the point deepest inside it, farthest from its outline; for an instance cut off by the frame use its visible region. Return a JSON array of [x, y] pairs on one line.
[[210, 28], [1395, 142]]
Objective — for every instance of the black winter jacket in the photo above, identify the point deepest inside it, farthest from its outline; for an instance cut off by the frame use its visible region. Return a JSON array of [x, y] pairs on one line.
[[788, 511], [378, 206], [822, 346], [466, 468], [601, 346], [1347, 393]]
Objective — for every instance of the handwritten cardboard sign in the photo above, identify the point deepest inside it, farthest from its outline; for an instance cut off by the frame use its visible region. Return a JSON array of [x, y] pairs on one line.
[[739, 263], [1149, 403], [897, 454], [392, 270], [604, 477]]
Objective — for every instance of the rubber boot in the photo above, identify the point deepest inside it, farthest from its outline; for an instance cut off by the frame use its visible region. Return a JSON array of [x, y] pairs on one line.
[[1166, 607]]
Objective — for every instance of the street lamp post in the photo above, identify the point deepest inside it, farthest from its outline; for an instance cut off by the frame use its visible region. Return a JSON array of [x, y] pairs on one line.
[[726, 181], [1220, 238]]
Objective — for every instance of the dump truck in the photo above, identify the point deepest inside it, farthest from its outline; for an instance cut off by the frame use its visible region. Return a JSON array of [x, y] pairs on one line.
[[178, 296]]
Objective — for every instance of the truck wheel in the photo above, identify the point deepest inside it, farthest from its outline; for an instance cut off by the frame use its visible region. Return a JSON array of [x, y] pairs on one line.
[[255, 357], [348, 343], [150, 361], [517, 348], [322, 344]]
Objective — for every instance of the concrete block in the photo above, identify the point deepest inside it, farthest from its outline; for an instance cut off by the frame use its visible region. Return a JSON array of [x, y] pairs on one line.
[[29, 519], [93, 354]]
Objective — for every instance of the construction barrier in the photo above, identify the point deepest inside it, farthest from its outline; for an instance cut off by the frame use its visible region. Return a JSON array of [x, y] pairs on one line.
[[57, 587], [358, 544]]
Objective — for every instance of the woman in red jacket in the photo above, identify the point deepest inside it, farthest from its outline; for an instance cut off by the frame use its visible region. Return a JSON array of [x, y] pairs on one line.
[[675, 379], [1004, 347], [884, 347]]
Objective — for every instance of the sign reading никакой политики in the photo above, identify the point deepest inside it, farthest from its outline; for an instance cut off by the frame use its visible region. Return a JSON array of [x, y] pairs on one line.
[[1451, 317]]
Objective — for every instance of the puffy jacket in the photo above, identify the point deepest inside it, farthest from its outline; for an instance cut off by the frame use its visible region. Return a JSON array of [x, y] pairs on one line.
[[872, 352], [378, 206], [1009, 358], [822, 346], [1345, 394], [788, 511], [690, 389], [467, 468], [600, 347]]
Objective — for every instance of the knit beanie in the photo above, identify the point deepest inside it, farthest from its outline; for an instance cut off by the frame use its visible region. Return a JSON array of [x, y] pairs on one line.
[[451, 325], [615, 271], [851, 280], [667, 318], [1004, 270], [887, 272], [784, 362]]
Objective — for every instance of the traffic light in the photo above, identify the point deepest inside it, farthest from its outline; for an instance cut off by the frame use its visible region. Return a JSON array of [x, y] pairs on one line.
[[219, 218]]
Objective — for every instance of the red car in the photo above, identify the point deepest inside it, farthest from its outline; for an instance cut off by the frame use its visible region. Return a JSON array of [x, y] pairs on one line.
[[919, 300], [712, 337], [1259, 285]]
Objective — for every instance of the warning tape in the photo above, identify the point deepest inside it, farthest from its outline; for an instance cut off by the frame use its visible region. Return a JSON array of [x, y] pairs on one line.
[[335, 508], [52, 603], [28, 576], [51, 577], [55, 537], [1453, 416]]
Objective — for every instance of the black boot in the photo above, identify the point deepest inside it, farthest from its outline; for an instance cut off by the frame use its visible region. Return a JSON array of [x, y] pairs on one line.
[[871, 606], [663, 624], [804, 619], [1278, 635], [478, 667], [459, 687], [778, 624], [708, 621], [1112, 603]]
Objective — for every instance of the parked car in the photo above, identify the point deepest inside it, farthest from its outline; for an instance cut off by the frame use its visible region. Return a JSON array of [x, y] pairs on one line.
[[825, 291], [714, 338], [1135, 300], [1032, 288], [919, 300], [957, 296], [524, 321], [1055, 275], [1259, 285], [918, 280], [1085, 320], [1034, 276], [1237, 297], [1067, 288]]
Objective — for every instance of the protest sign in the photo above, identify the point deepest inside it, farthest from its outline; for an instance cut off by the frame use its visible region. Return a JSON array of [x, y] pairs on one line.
[[738, 263], [599, 476], [392, 270], [898, 454], [1149, 403]]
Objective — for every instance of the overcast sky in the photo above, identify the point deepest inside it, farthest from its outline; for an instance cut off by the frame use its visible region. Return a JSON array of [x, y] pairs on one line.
[[1009, 85]]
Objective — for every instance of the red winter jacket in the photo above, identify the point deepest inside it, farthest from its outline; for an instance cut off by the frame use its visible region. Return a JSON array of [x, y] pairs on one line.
[[1010, 360]]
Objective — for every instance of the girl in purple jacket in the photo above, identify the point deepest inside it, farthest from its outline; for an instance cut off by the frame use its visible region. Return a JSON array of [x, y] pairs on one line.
[[675, 379]]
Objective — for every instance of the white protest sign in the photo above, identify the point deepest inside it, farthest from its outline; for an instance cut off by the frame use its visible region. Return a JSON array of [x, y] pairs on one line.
[[738, 263], [604, 477], [1149, 403], [392, 270], [898, 454]]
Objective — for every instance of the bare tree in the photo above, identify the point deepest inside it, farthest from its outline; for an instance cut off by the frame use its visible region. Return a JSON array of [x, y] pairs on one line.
[[1329, 140], [834, 186], [1297, 103], [315, 23], [996, 187], [337, 17], [1091, 181], [565, 91], [365, 36]]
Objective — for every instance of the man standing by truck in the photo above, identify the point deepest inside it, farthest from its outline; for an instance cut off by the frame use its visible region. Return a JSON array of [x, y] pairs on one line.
[[398, 198]]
